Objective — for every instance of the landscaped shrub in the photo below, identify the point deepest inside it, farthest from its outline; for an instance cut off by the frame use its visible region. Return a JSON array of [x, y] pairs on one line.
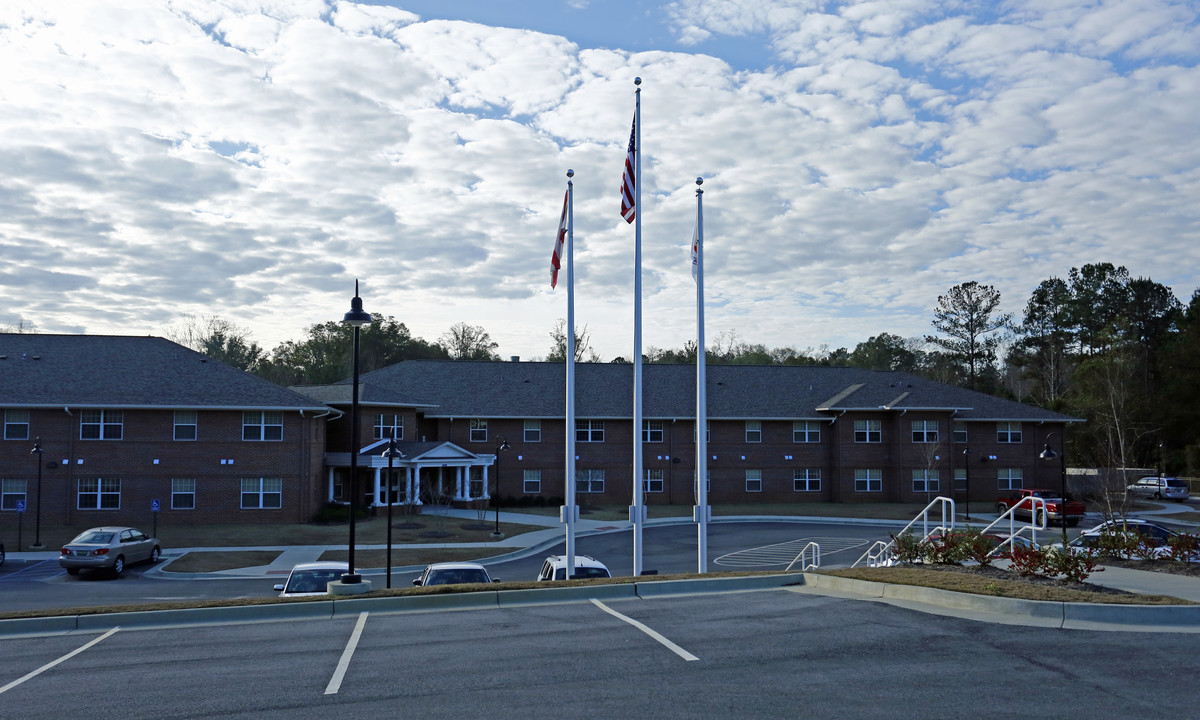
[[948, 549], [1116, 544], [978, 547], [907, 547], [1184, 547], [1075, 567], [1030, 561]]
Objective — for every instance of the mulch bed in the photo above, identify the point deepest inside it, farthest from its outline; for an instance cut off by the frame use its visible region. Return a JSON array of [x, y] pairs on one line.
[[1001, 574]]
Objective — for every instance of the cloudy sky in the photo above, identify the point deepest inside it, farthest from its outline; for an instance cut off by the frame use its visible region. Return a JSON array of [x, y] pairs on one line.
[[251, 158]]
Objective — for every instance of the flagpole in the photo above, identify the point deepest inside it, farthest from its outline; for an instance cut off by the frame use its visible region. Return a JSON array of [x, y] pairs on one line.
[[638, 511], [569, 512], [701, 510]]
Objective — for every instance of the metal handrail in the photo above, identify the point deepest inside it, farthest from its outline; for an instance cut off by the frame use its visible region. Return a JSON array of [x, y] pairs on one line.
[[806, 566], [881, 552], [1013, 530]]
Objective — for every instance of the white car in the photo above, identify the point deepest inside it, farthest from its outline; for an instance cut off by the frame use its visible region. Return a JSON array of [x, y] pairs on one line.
[[555, 568], [308, 579], [1161, 487], [454, 574]]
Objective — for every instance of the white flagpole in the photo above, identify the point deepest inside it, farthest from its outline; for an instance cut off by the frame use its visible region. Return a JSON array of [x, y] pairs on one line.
[[701, 510], [569, 512], [638, 511]]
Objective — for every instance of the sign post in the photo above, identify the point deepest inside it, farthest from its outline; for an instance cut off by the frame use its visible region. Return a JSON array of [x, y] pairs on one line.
[[155, 505], [20, 518]]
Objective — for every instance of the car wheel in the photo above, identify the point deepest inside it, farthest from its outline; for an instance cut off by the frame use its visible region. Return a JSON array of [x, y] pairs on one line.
[[155, 554], [1157, 495], [1041, 518], [1001, 508], [118, 565], [72, 571]]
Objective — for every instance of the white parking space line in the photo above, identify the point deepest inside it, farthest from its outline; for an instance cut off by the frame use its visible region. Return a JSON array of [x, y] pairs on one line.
[[47, 666], [335, 682], [669, 645]]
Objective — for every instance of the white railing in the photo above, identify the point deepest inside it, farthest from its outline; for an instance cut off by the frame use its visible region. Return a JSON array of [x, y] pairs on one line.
[[1037, 521], [883, 553], [809, 558]]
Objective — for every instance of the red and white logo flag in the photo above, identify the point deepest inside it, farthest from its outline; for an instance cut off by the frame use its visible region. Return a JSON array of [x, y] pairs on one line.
[[629, 181], [695, 249], [556, 258]]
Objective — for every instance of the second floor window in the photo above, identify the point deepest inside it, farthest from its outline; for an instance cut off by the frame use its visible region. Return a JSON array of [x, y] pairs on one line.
[[753, 431], [389, 427], [1008, 432], [806, 431], [652, 431], [960, 432], [867, 431], [16, 424], [185, 425], [533, 432], [478, 430], [925, 431], [101, 424], [262, 425], [589, 431]]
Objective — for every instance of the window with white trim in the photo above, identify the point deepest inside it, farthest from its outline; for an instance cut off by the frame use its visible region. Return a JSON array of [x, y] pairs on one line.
[[870, 480], [259, 425], [262, 493], [926, 481], [12, 491], [924, 431], [101, 424], [183, 493], [1010, 478], [589, 431], [389, 426], [652, 431], [589, 481], [707, 431], [532, 484], [478, 430], [707, 483], [99, 494], [533, 431], [753, 431], [1008, 432], [807, 480], [806, 431], [185, 425], [753, 481], [960, 479], [16, 424], [960, 432], [868, 431]]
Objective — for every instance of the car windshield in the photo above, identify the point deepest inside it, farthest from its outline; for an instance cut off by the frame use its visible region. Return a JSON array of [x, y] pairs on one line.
[[453, 577], [94, 538], [312, 580]]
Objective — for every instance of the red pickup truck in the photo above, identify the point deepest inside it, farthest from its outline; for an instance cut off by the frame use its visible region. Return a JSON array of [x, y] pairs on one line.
[[1074, 510]]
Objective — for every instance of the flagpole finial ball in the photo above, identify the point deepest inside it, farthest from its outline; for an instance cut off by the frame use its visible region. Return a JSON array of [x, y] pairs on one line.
[[637, 81], [699, 181], [570, 173]]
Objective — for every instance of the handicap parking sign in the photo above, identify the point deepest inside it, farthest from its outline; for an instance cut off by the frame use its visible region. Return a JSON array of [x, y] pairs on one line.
[[154, 505], [20, 506]]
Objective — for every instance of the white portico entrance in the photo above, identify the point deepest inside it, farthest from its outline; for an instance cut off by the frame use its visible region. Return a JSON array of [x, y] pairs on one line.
[[436, 472]]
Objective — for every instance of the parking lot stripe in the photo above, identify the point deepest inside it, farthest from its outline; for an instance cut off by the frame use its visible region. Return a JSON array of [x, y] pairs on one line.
[[47, 666], [670, 645], [335, 682]]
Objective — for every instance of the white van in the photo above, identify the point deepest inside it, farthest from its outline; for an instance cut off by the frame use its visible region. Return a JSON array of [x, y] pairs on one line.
[[1161, 487]]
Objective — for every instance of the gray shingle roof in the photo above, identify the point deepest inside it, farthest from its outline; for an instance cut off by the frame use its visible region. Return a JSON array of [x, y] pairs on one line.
[[538, 390], [119, 371]]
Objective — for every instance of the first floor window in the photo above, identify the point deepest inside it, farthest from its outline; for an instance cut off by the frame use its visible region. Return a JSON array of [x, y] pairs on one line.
[[260, 425], [868, 481], [589, 431], [925, 431], [99, 494], [101, 424], [1008, 432], [16, 424], [960, 479], [753, 481], [707, 483], [11, 493], [753, 431], [806, 431], [185, 425], [654, 481], [1010, 479], [478, 430], [652, 431], [389, 426], [868, 431], [262, 493], [474, 481], [183, 493], [589, 481], [807, 480], [926, 481], [533, 431], [533, 482]]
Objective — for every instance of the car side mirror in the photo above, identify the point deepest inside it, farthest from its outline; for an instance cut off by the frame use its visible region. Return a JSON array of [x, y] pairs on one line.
[[417, 582], [279, 588], [495, 579]]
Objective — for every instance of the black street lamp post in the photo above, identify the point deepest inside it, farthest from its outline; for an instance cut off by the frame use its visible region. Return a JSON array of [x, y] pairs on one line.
[[1048, 454], [356, 318], [37, 514], [967, 479], [391, 453], [502, 444]]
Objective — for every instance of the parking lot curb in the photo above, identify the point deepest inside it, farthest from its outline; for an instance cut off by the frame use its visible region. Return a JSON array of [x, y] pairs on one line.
[[708, 586], [572, 593]]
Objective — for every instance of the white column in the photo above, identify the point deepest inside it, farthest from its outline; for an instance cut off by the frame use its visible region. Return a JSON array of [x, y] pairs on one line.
[[460, 482], [487, 492], [414, 485], [377, 495], [329, 486]]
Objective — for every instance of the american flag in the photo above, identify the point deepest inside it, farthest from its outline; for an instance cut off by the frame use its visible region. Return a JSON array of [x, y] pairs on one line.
[[556, 258], [629, 181]]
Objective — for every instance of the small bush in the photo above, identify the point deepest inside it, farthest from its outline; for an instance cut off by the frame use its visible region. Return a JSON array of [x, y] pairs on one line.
[[1075, 567], [907, 547], [949, 549], [1030, 561], [1184, 547]]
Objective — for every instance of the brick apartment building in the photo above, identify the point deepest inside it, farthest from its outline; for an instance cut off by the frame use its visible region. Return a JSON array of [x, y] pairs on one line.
[[126, 421]]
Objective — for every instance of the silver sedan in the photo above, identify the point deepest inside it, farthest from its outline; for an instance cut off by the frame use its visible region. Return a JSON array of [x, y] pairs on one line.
[[109, 548]]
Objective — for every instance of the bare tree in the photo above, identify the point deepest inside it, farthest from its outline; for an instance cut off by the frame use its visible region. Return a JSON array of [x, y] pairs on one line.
[[468, 342], [218, 338], [583, 345]]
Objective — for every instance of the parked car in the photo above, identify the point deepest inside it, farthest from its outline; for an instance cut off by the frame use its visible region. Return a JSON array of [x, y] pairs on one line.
[[312, 578], [108, 548], [454, 574], [1, 552], [1073, 512], [1155, 535], [1161, 487], [555, 568]]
